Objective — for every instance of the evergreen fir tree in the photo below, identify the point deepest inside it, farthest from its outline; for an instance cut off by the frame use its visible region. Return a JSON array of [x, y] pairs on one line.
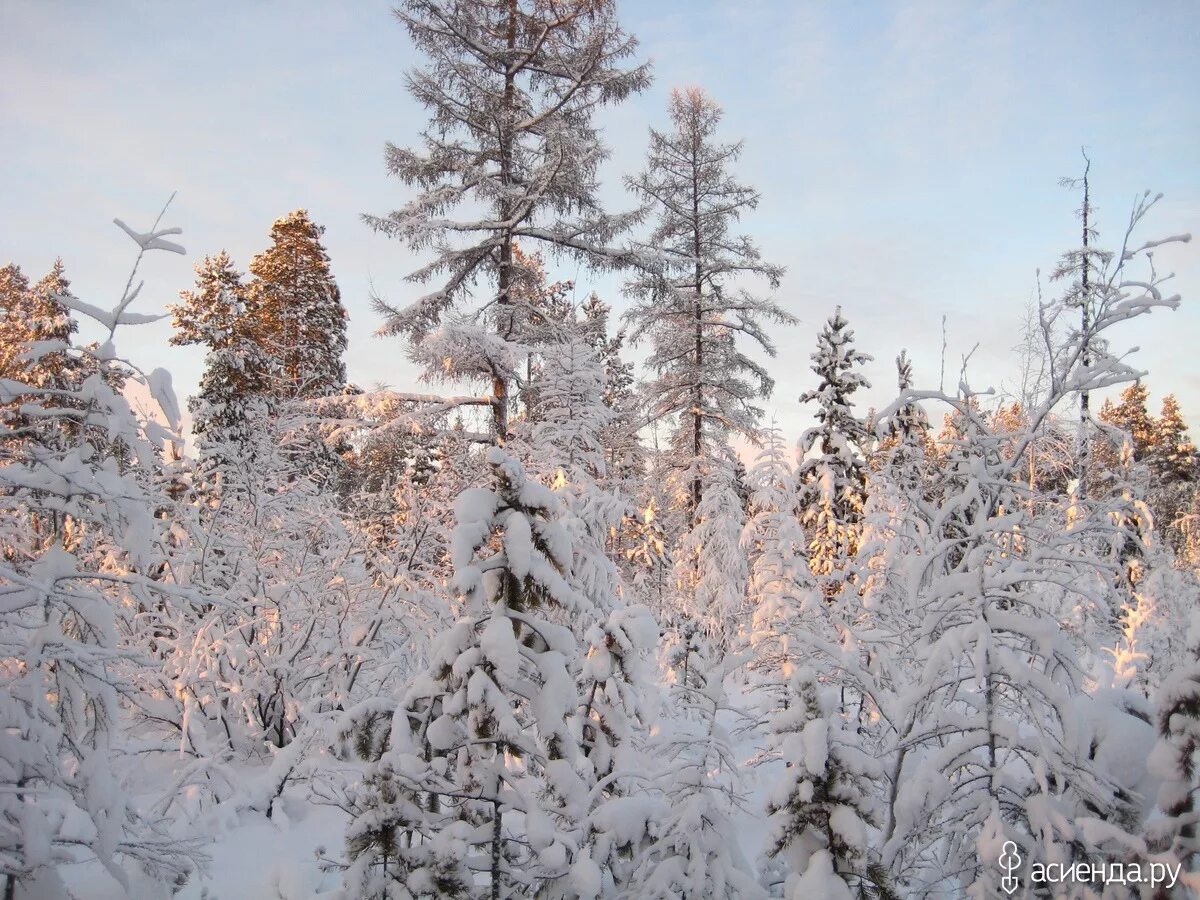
[[711, 572], [239, 374], [1174, 457], [15, 312], [833, 480], [822, 803], [1174, 473], [53, 323], [296, 310], [781, 591], [441, 798], [691, 855], [1133, 417], [905, 447]]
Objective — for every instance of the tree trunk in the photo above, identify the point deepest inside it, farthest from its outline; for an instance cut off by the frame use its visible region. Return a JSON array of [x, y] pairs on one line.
[[1085, 325], [496, 850], [698, 324], [504, 279]]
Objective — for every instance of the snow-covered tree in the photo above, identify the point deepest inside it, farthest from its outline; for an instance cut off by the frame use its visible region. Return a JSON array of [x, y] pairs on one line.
[[624, 453], [833, 478], [251, 674], [692, 854], [690, 306], [239, 372], [78, 534], [566, 447], [512, 86], [711, 571], [1174, 470], [822, 802], [297, 316], [995, 746], [479, 770], [618, 704], [1176, 760], [14, 319], [781, 591]]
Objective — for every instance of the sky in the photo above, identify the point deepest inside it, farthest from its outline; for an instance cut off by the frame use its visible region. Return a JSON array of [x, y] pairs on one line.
[[908, 157]]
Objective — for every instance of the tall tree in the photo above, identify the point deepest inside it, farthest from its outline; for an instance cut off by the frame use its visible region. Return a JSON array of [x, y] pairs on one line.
[[1080, 267], [1174, 457], [690, 307], [51, 321], [296, 308], [833, 480], [512, 86], [1174, 473]]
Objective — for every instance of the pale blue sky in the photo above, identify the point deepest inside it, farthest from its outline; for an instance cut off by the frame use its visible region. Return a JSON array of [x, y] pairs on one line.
[[907, 155]]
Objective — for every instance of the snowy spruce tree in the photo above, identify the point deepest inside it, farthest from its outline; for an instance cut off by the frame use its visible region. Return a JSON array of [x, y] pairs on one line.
[[566, 448], [833, 469], [618, 703], [511, 87], [692, 306], [690, 854], [821, 808], [1174, 473], [781, 591], [239, 372], [710, 566], [475, 788]]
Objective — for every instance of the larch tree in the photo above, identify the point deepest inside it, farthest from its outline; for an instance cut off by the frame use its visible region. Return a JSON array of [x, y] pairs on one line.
[[833, 478], [1081, 268], [692, 306], [512, 86]]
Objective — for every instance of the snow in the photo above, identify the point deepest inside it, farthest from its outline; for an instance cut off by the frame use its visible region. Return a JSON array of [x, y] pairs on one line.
[[505, 643], [818, 880]]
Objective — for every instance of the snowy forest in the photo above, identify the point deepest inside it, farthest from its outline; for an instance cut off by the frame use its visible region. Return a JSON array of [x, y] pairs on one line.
[[572, 617]]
